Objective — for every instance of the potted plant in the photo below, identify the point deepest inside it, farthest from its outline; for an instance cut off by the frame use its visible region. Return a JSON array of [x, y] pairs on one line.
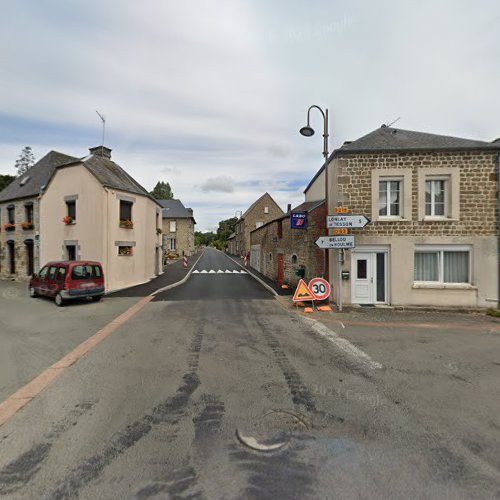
[[27, 226], [68, 220], [127, 224], [9, 226], [125, 251], [158, 230]]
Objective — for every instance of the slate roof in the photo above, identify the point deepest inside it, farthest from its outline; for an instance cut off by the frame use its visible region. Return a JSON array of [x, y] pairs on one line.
[[306, 206], [390, 140], [39, 175], [394, 139], [174, 209]]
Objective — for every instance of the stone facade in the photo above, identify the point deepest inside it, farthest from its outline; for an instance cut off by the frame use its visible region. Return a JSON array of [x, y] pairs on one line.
[[470, 222], [22, 240], [296, 247], [261, 211], [183, 235]]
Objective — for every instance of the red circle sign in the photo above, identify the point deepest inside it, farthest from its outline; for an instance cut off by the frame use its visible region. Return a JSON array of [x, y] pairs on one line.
[[321, 288]]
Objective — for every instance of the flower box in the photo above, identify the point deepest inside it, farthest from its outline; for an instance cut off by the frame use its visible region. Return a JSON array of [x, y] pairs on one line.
[[9, 226], [127, 251], [68, 220], [28, 226], [127, 224]]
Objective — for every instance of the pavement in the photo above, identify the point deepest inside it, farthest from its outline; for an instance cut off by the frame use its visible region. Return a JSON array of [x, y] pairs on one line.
[[216, 389]]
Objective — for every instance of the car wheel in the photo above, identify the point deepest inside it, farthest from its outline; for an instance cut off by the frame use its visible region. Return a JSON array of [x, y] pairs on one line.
[[33, 293], [59, 300], [96, 298]]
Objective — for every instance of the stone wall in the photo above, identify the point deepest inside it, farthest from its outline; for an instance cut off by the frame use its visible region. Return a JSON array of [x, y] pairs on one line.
[[18, 235], [184, 236], [296, 245]]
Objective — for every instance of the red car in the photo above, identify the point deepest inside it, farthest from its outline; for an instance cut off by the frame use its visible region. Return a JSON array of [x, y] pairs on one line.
[[68, 280]]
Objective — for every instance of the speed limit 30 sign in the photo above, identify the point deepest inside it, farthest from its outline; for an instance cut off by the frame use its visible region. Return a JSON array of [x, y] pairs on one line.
[[321, 288]]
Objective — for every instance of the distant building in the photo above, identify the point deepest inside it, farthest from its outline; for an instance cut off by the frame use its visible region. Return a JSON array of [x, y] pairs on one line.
[[260, 211], [178, 228]]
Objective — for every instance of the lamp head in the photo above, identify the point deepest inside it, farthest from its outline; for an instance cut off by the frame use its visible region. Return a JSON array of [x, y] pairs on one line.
[[307, 131]]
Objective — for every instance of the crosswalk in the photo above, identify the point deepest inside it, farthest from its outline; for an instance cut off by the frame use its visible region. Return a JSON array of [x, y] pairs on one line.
[[219, 271]]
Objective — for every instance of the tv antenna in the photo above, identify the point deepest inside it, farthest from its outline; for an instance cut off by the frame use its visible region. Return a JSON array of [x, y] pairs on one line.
[[392, 123], [103, 119]]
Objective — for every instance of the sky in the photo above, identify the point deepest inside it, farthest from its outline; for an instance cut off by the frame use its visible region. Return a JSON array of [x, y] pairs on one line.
[[210, 95]]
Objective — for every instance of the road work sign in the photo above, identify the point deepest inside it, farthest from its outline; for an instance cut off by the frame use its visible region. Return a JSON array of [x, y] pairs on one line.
[[303, 293]]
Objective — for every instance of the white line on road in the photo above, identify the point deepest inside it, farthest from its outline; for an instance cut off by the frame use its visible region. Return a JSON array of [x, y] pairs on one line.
[[342, 343]]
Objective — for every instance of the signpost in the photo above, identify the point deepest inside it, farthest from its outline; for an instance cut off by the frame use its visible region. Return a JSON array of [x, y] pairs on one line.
[[345, 241], [347, 221]]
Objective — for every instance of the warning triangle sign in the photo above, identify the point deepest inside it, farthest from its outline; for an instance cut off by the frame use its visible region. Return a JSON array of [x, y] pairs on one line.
[[303, 293]]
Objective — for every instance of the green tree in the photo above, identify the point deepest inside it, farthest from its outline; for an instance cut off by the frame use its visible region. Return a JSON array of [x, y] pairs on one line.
[[162, 191], [204, 239], [25, 161], [5, 180]]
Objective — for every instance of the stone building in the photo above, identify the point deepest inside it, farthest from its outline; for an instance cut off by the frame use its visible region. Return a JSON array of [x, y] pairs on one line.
[[432, 200], [20, 218], [260, 211], [178, 228], [278, 251]]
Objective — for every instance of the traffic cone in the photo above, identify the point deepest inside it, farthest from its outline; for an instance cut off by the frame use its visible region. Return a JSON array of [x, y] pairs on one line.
[[185, 264]]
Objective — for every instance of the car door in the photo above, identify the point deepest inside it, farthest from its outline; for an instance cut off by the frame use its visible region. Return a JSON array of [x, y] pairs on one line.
[[59, 279], [51, 281], [40, 282]]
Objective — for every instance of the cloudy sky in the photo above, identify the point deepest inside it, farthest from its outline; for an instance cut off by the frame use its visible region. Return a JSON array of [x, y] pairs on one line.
[[209, 95]]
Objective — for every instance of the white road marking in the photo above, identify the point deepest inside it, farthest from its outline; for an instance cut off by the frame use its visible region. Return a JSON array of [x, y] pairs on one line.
[[342, 343], [219, 271], [196, 272], [342, 324]]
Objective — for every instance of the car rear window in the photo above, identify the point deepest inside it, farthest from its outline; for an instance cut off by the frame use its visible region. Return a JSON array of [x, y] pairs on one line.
[[85, 272]]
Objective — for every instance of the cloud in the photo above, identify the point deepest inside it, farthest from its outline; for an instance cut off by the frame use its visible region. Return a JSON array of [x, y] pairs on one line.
[[218, 184]]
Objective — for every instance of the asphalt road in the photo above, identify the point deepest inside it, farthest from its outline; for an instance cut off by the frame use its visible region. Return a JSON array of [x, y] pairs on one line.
[[186, 398]]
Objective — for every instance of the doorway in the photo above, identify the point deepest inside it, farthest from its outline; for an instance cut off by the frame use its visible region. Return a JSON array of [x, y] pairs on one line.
[[30, 257], [12, 256], [280, 269], [369, 277]]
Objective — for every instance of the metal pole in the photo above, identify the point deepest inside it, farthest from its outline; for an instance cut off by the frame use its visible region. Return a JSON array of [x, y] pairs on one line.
[[339, 277]]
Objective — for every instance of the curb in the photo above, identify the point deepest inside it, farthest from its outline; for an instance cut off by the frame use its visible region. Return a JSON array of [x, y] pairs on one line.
[[264, 284], [181, 282]]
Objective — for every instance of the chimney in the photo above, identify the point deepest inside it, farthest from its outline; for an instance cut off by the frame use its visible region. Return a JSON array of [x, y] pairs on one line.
[[289, 208], [101, 151]]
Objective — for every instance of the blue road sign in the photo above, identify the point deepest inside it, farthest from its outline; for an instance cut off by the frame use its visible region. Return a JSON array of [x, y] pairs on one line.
[[298, 220]]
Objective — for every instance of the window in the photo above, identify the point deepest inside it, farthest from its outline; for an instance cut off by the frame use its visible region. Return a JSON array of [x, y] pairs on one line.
[[52, 272], [280, 229], [294, 259], [125, 210], [11, 214], [85, 272], [266, 210], [173, 226], [71, 209], [435, 198], [71, 252], [172, 244], [28, 213], [389, 200], [259, 224], [43, 272], [125, 250], [446, 265], [61, 274]]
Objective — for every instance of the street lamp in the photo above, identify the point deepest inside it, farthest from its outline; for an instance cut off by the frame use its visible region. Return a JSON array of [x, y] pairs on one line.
[[308, 131]]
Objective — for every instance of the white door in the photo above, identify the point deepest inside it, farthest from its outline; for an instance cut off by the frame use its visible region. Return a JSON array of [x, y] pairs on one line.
[[363, 278]]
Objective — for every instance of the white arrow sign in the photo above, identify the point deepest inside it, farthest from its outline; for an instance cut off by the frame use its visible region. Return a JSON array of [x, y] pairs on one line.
[[336, 241], [348, 221]]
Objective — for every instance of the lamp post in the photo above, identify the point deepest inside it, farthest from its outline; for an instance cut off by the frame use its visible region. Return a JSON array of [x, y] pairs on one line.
[[308, 131]]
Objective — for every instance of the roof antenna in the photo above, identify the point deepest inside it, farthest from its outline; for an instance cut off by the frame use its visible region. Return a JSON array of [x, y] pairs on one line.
[[103, 118], [392, 123]]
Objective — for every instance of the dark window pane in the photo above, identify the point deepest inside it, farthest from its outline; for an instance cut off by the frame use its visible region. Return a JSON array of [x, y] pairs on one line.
[[71, 209], [125, 210], [82, 272], [361, 269], [380, 277], [52, 272]]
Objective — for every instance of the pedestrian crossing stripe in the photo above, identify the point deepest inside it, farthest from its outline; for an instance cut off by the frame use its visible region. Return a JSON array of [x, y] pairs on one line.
[[303, 293], [219, 271]]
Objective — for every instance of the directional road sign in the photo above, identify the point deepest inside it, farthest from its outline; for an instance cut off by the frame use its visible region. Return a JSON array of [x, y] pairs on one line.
[[346, 241], [348, 221]]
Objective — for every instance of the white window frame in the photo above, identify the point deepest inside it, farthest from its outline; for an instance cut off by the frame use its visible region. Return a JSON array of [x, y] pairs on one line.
[[404, 176], [172, 226], [440, 249], [400, 180], [266, 210], [172, 244], [452, 176], [446, 180]]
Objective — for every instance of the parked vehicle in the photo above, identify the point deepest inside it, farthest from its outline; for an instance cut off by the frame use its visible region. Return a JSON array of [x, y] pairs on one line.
[[68, 280]]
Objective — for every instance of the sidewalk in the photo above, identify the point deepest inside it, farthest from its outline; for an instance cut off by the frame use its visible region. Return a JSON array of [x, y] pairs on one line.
[[265, 279], [172, 274]]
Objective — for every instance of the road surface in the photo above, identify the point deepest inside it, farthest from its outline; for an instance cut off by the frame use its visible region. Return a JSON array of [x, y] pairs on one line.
[[213, 390]]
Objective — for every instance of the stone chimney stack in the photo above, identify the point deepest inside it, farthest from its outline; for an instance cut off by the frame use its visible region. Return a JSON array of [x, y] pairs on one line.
[[101, 151], [289, 208]]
